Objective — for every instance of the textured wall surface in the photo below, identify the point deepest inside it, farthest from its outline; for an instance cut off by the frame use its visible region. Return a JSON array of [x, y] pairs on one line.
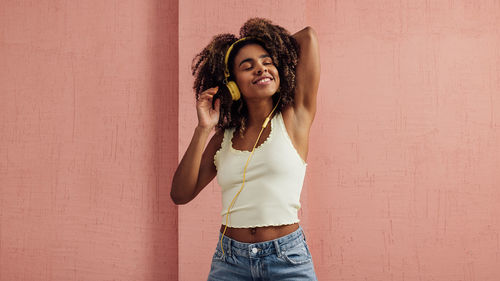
[[88, 129], [403, 180], [96, 110], [404, 177]]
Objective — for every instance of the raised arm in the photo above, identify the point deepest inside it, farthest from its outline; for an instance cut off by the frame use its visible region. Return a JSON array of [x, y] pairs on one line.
[[197, 168], [308, 73]]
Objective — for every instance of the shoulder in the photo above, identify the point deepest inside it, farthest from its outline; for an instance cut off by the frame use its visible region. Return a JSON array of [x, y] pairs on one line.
[[297, 125], [215, 142], [296, 118], [218, 137]]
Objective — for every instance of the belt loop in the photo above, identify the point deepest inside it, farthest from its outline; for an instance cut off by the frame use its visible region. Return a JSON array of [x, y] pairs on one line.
[[226, 243], [278, 249], [303, 233]]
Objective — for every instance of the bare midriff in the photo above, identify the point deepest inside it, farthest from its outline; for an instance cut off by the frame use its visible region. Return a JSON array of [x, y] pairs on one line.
[[259, 234]]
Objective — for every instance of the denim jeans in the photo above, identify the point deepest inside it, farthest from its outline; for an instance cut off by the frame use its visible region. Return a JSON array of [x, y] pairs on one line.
[[284, 258]]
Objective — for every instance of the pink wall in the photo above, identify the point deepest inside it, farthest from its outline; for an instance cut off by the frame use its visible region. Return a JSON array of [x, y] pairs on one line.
[[88, 129], [403, 179], [97, 109], [404, 175]]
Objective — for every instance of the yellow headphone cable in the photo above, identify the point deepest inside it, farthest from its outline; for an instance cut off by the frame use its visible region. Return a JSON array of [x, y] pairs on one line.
[[264, 125]]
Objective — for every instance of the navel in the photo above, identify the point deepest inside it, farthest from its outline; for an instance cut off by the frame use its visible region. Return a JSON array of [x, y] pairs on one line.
[[253, 230]]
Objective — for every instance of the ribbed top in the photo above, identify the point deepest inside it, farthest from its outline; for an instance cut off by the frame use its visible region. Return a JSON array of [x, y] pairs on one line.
[[273, 179]]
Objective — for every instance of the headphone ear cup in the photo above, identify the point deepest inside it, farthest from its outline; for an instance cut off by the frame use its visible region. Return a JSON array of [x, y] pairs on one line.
[[234, 90]]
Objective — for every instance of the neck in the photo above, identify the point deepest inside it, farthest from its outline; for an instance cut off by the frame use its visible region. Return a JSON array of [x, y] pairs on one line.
[[258, 111]]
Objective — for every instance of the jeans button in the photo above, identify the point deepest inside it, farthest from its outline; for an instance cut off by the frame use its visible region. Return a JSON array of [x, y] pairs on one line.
[[255, 250]]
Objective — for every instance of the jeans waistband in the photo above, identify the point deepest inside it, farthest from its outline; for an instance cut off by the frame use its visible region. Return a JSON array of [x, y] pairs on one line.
[[278, 245]]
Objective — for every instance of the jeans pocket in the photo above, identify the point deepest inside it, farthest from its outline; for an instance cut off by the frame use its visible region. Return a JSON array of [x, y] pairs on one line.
[[218, 256], [298, 254]]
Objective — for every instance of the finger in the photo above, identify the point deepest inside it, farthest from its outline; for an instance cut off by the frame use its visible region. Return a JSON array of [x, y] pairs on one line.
[[210, 90], [208, 94], [214, 90], [205, 95], [217, 105]]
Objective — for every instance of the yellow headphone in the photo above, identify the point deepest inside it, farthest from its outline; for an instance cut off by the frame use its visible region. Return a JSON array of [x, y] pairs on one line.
[[235, 94], [231, 85]]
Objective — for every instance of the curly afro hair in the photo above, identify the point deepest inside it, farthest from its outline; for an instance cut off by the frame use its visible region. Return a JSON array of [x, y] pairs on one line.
[[208, 67]]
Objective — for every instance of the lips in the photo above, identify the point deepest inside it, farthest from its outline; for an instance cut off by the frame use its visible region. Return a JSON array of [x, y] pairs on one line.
[[260, 78]]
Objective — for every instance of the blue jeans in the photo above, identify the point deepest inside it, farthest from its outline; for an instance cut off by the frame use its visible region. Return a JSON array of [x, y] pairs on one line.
[[284, 258]]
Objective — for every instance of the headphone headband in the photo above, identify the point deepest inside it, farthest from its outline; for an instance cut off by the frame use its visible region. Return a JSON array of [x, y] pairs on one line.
[[226, 70]]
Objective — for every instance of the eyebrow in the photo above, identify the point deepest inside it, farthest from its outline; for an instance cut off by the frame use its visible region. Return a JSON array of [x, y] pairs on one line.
[[249, 59]]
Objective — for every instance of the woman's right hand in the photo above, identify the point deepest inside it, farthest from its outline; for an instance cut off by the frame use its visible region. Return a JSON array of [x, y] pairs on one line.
[[208, 117]]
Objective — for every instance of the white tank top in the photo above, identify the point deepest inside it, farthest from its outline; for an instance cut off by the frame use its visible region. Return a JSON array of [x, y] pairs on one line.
[[273, 179]]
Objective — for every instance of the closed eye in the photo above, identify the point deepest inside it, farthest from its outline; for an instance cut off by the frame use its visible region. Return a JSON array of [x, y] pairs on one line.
[[266, 63]]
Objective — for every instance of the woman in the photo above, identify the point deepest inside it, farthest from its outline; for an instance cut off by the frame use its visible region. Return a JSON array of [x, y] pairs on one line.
[[239, 82]]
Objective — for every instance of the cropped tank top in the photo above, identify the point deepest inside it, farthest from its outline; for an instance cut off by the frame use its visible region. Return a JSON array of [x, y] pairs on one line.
[[273, 179]]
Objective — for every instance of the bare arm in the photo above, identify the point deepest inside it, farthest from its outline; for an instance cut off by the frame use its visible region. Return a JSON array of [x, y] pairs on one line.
[[196, 168], [308, 73]]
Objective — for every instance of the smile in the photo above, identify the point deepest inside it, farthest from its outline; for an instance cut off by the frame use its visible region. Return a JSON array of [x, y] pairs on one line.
[[265, 81]]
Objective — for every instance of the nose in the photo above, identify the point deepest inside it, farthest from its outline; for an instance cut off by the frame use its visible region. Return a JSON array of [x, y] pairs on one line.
[[261, 68]]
